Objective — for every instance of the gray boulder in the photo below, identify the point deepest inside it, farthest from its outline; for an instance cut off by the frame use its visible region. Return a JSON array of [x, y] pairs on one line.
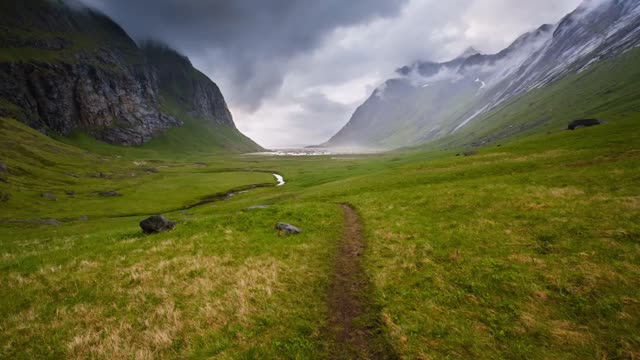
[[156, 224], [287, 229], [3, 168], [48, 196], [577, 124]]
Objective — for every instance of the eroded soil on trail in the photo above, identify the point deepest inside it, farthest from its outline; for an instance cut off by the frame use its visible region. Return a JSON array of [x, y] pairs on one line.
[[354, 321]]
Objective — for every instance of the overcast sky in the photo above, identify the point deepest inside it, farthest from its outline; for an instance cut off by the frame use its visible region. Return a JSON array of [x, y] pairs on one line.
[[293, 71]]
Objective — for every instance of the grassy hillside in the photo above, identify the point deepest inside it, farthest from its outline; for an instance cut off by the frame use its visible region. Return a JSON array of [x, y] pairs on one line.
[[199, 135], [191, 96], [607, 91], [528, 250]]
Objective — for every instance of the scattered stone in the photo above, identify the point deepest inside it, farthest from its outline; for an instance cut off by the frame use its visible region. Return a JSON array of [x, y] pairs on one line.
[[4, 196], [3, 168], [470, 152], [83, 218], [51, 222], [258, 207], [577, 124], [288, 229], [111, 193], [70, 193], [200, 165], [156, 224], [49, 196], [151, 170], [100, 175]]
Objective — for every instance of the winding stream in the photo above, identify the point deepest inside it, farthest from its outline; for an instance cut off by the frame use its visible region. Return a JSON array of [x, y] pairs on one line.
[[230, 194], [215, 198], [280, 179]]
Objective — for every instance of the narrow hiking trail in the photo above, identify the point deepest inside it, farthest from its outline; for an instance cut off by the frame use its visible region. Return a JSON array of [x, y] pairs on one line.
[[353, 321]]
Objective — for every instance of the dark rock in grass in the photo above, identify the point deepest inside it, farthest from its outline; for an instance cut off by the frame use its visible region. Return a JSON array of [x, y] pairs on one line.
[[112, 193], [470, 152], [151, 170], [258, 207], [83, 218], [577, 124], [3, 168], [4, 196], [288, 228], [48, 196], [156, 224]]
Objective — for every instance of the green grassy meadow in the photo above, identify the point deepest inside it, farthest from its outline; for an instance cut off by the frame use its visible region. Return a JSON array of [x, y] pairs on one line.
[[527, 250]]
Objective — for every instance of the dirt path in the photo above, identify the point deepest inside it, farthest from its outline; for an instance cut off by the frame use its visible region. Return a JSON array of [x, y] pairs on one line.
[[353, 320]]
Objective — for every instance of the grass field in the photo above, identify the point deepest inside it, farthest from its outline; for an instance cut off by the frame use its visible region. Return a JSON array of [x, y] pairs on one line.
[[528, 250]]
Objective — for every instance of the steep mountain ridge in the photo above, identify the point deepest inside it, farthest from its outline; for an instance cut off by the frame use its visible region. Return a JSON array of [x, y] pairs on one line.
[[440, 99], [67, 69]]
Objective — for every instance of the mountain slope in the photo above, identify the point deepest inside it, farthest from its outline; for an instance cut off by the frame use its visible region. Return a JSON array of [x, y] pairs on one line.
[[70, 69], [441, 99]]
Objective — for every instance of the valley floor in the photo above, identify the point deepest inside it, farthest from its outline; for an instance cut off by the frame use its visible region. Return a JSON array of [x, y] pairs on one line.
[[526, 250]]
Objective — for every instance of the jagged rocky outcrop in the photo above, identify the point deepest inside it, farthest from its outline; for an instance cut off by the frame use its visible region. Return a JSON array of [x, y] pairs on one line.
[[69, 69], [118, 106], [431, 100]]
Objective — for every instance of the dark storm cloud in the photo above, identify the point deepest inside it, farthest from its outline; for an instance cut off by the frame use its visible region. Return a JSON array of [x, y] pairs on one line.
[[251, 39]]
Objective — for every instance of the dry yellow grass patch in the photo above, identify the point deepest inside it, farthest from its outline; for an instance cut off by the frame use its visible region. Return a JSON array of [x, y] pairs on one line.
[[256, 279], [396, 332], [631, 202], [533, 207], [528, 321], [526, 259], [166, 300], [565, 192], [567, 333]]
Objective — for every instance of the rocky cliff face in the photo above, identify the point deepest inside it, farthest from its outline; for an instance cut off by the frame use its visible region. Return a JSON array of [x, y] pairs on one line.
[[439, 99], [66, 69], [118, 105]]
